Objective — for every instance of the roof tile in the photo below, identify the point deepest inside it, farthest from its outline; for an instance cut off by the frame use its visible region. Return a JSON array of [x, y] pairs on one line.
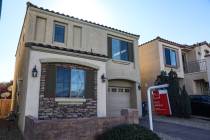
[[30, 44], [41, 8]]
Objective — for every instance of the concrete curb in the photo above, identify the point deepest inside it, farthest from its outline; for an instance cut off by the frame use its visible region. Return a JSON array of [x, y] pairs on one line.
[[192, 122], [166, 137]]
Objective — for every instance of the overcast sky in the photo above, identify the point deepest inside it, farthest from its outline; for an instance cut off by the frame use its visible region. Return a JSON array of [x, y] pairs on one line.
[[182, 21]]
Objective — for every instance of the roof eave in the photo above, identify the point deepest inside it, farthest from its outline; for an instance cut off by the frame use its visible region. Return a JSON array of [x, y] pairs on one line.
[[84, 21]]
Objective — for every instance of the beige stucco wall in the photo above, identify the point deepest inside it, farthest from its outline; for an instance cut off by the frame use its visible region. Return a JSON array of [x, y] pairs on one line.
[[20, 74], [194, 55], [190, 55], [190, 84], [149, 65], [93, 38], [208, 68], [201, 49], [152, 62]]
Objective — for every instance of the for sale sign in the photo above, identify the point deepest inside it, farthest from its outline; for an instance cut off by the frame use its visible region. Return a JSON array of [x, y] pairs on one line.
[[161, 102]]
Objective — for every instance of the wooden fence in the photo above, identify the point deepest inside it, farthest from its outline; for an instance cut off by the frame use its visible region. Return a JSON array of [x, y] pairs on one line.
[[5, 105]]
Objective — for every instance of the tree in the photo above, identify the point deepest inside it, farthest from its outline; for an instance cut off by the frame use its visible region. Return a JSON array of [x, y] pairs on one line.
[[178, 97], [174, 93], [186, 104], [5, 89]]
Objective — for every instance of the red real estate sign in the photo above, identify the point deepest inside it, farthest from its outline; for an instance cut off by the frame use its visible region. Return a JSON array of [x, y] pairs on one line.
[[161, 102]]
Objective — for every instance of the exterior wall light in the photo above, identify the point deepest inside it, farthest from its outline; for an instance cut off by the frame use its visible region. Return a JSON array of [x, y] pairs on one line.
[[103, 78], [139, 87], [34, 72]]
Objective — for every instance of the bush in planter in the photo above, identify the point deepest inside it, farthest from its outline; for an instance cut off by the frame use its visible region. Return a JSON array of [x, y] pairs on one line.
[[128, 132]]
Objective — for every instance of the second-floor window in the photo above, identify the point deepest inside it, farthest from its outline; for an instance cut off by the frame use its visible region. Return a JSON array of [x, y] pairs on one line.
[[59, 33], [120, 49], [170, 57]]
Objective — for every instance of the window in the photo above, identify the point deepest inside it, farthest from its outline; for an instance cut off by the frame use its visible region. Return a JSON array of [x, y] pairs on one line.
[[59, 33], [120, 89], [114, 90], [77, 83], [170, 57], [120, 50], [62, 82], [206, 51], [127, 90], [70, 82]]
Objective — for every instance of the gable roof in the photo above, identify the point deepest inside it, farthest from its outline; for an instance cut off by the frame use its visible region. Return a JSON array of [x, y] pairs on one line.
[[81, 20], [200, 44], [183, 46], [164, 41]]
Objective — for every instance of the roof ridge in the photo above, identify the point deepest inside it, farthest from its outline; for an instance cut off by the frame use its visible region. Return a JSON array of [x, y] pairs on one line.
[[166, 41], [29, 4], [200, 44]]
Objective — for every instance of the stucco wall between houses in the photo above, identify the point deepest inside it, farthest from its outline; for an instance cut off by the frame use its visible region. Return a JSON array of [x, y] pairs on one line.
[[149, 65]]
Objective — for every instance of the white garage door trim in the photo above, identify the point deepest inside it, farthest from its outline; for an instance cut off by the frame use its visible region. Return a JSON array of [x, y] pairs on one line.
[[117, 99]]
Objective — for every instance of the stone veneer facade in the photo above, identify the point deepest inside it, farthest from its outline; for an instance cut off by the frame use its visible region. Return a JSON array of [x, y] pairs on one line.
[[50, 109]]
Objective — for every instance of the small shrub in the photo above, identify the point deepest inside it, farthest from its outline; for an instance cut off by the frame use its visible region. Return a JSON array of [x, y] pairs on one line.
[[185, 103], [128, 132]]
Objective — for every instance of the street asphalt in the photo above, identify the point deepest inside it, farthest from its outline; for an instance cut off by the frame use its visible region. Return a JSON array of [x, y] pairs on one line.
[[177, 131]]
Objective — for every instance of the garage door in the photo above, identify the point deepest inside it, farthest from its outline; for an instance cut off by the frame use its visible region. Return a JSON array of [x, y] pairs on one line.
[[117, 99]]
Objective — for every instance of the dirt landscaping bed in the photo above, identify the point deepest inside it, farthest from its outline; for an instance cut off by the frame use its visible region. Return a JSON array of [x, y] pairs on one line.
[[9, 131]]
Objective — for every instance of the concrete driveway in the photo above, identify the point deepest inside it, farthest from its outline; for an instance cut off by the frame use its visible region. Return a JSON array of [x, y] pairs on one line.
[[174, 131]]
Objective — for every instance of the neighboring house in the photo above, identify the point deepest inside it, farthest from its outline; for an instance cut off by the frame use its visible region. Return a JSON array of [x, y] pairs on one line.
[[187, 60], [195, 68], [84, 69]]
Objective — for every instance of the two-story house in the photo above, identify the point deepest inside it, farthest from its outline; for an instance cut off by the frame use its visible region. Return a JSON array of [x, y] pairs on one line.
[[187, 60], [72, 68], [195, 68], [158, 55]]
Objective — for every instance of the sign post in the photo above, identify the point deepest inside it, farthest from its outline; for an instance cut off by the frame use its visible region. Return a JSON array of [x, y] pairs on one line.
[[149, 102]]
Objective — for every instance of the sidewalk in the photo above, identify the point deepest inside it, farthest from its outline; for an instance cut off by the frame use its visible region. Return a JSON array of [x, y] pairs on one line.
[[170, 128], [192, 122]]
